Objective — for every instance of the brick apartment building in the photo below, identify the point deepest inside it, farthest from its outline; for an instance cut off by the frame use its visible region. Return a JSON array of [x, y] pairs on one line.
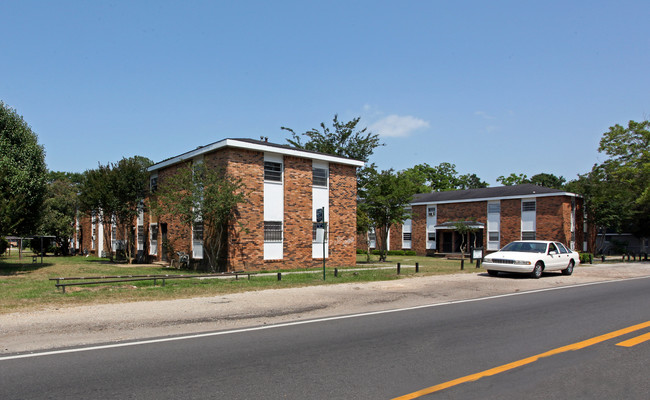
[[285, 187], [500, 215]]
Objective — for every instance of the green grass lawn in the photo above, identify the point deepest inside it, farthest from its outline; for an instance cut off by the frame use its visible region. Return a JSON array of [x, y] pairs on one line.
[[26, 286]]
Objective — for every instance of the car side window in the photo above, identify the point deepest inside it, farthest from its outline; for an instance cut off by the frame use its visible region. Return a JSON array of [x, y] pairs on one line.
[[551, 247], [563, 249]]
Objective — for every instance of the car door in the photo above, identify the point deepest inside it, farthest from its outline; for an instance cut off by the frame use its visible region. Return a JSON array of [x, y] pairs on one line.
[[553, 258], [565, 255]]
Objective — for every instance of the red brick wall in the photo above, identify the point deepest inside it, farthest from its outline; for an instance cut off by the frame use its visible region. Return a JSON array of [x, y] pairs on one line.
[[246, 241], [510, 221], [554, 219], [297, 212], [342, 215], [246, 236], [419, 230]]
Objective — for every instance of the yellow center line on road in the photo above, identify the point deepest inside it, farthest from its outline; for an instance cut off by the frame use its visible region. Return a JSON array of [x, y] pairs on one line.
[[635, 341], [516, 364]]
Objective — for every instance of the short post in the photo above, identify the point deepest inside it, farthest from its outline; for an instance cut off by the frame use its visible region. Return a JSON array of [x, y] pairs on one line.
[[462, 264], [645, 258], [623, 257], [336, 272], [602, 258], [279, 276], [478, 263], [399, 267], [417, 267], [591, 258]]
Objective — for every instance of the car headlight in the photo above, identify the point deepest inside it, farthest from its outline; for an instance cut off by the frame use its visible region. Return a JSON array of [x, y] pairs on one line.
[[520, 262], [487, 260]]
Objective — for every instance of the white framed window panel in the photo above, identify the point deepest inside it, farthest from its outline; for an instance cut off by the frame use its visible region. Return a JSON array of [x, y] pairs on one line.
[[93, 228], [140, 229], [372, 238], [197, 240], [528, 216], [274, 208], [77, 231], [153, 239], [432, 221], [494, 225], [320, 199], [572, 244], [113, 236], [100, 235], [406, 232]]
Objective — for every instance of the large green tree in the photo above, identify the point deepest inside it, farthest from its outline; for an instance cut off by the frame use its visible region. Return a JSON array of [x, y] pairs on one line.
[[205, 197], [60, 208], [386, 196], [344, 139], [114, 192], [628, 164], [22, 174], [441, 177], [548, 180]]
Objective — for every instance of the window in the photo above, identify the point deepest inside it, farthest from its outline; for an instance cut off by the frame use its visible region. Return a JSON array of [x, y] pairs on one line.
[[272, 231], [320, 176], [561, 247], [493, 236], [431, 236], [197, 231], [406, 236], [153, 239], [153, 183], [494, 208], [272, 171], [527, 206], [315, 227], [372, 235], [528, 236], [431, 211]]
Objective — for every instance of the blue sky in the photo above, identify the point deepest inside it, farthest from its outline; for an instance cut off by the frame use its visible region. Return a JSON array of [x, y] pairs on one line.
[[492, 86]]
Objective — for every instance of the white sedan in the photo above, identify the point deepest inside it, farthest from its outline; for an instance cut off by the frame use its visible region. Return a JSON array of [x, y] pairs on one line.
[[531, 257]]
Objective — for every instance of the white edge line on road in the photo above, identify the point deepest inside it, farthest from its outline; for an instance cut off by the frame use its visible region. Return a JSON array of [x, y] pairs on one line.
[[287, 324]]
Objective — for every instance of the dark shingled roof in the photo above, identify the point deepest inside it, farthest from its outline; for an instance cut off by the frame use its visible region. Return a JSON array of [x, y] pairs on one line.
[[484, 193]]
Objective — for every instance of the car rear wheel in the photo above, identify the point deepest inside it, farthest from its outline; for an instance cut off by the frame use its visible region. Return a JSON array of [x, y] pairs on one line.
[[569, 269], [492, 272], [537, 270]]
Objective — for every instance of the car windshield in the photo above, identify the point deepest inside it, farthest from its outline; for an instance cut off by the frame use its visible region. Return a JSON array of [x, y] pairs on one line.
[[526, 247]]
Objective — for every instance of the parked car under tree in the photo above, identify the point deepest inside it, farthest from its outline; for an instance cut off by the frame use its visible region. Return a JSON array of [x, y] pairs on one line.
[[532, 257]]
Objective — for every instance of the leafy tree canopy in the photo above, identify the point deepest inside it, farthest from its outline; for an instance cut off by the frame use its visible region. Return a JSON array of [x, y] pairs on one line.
[[441, 178], [513, 179], [386, 196], [344, 139], [207, 196], [22, 174]]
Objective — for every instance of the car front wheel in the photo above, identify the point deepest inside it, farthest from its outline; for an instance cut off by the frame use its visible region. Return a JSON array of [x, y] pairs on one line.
[[569, 269], [537, 271]]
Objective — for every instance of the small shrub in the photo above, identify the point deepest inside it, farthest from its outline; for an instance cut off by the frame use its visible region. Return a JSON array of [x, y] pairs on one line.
[[584, 257], [361, 251]]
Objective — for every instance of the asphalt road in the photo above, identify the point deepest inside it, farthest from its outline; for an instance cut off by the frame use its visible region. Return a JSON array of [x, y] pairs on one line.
[[379, 356]]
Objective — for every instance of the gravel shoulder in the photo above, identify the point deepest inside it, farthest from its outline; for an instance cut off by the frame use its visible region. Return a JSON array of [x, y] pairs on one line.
[[85, 325]]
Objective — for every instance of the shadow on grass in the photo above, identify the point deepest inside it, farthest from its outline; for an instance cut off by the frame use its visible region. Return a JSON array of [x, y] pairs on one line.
[[9, 269]]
